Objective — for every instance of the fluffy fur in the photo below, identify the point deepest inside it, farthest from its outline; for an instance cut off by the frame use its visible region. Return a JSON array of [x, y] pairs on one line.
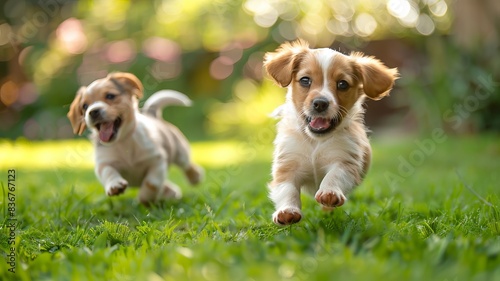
[[321, 144], [132, 148]]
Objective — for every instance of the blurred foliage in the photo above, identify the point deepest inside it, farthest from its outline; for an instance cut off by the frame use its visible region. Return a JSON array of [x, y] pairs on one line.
[[457, 89], [210, 50]]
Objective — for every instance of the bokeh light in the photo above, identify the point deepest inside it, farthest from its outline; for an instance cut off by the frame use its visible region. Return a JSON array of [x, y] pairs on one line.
[[399, 8], [439, 8], [221, 68], [9, 93], [365, 25], [211, 49], [71, 36], [120, 51], [161, 49], [166, 70], [265, 14], [425, 25], [28, 94], [5, 32], [31, 129], [232, 51], [253, 67]]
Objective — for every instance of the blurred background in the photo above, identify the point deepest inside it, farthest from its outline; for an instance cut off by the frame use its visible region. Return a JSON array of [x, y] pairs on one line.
[[212, 50]]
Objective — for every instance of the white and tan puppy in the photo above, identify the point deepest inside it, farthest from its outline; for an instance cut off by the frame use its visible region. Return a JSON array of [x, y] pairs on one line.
[[321, 145], [132, 148]]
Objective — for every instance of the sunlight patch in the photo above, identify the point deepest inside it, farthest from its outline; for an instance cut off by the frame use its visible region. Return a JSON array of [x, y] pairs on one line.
[[79, 154]]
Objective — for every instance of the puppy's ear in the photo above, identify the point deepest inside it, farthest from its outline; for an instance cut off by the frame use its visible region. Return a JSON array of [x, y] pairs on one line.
[[130, 80], [75, 114], [280, 65], [377, 78]]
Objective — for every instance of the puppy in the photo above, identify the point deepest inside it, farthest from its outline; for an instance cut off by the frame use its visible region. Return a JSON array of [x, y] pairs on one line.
[[321, 144], [132, 148]]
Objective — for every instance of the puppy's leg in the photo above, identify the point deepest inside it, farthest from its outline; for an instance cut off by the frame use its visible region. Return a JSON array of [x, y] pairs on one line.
[[112, 181], [170, 191], [193, 172], [286, 198], [285, 192], [154, 187], [339, 181]]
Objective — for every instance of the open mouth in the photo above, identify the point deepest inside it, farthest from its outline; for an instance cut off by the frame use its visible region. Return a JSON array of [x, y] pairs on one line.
[[108, 130], [321, 125]]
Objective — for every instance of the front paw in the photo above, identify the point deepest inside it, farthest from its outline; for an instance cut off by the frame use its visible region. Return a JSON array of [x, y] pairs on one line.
[[116, 187], [287, 216], [329, 198]]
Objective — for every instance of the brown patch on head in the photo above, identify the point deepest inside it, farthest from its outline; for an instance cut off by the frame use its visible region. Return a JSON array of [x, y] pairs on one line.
[[344, 71], [310, 67], [117, 90], [112, 101], [129, 82], [281, 65], [118, 104]]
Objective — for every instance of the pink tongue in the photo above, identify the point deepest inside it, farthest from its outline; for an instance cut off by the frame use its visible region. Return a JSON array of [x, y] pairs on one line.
[[106, 131], [319, 123]]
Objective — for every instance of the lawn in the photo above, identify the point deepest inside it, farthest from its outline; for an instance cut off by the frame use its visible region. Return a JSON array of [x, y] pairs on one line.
[[427, 210]]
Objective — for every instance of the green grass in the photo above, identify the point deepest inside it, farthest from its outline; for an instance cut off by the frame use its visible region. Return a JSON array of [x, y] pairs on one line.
[[429, 225]]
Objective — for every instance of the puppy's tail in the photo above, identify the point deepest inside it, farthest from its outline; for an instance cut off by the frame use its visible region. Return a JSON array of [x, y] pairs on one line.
[[163, 98]]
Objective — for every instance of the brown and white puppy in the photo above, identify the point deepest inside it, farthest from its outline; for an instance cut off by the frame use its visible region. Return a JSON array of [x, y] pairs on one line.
[[132, 148], [321, 145]]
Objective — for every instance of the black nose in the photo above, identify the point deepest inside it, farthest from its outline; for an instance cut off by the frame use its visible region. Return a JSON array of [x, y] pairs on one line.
[[94, 114], [320, 104]]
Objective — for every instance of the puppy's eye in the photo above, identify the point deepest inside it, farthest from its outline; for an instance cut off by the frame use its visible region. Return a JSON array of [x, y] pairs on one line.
[[305, 81], [110, 96], [342, 85], [85, 106]]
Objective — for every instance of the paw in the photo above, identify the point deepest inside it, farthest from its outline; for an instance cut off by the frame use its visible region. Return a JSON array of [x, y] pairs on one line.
[[287, 216], [170, 191], [330, 199], [148, 193], [152, 194], [194, 174], [116, 187]]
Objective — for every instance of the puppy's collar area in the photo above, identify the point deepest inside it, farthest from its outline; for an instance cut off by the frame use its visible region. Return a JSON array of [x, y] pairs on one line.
[[117, 84]]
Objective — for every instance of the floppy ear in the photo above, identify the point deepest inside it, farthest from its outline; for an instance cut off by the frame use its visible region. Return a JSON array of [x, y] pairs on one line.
[[75, 114], [129, 80], [281, 64], [377, 78]]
